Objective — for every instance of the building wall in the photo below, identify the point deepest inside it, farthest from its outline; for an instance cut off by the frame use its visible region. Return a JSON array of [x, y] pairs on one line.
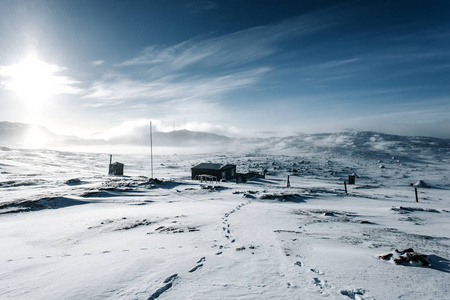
[[196, 172]]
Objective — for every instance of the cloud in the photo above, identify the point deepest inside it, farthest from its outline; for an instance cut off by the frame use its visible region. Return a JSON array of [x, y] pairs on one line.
[[201, 6], [97, 62], [117, 89], [200, 70], [138, 126], [131, 127], [231, 131], [234, 49]]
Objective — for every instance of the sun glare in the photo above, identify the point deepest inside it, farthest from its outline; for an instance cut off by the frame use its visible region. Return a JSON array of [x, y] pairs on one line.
[[35, 138], [35, 82], [32, 79]]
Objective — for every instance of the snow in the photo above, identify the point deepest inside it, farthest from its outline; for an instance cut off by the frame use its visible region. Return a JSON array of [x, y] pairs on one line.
[[70, 231]]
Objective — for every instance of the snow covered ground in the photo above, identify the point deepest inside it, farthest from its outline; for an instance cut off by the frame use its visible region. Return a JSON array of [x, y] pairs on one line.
[[70, 231]]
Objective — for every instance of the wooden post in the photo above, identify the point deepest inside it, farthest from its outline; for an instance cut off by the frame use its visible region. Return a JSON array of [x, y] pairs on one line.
[[288, 183], [345, 185], [110, 159], [151, 148], [417, 197]]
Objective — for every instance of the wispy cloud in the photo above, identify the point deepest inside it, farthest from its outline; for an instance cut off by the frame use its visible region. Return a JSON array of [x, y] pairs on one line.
[[116, 89], [200, 68], [202, 6], [97, 62], [234, 49]]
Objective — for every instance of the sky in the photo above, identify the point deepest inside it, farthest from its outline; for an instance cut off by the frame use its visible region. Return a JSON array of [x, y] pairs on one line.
[[237, 68]]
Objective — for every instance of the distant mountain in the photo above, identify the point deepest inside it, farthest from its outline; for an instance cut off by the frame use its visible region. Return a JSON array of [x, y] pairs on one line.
[[349, 143], [360, 144], [174, 138], [19, 134]]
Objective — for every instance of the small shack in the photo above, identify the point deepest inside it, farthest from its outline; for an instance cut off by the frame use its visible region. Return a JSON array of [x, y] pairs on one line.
[[220, 171], [115, 168], [244, 177]]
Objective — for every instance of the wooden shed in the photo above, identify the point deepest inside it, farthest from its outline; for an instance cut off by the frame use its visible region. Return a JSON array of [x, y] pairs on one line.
[[220, 171]]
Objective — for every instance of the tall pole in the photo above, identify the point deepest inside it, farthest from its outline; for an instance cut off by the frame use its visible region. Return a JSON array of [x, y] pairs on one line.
[[151, 148]]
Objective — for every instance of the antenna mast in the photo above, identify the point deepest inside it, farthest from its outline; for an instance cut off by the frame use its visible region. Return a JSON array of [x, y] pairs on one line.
[[151, 148]]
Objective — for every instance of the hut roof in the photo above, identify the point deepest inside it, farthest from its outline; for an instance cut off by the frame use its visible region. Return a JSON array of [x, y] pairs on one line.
[[211, 166]]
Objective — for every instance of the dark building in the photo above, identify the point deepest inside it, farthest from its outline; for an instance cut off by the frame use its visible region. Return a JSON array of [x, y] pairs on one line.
[[219, 171], [116, 168]]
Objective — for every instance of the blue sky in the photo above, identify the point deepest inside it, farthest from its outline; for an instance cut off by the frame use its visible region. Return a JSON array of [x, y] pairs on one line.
[[239, 68]]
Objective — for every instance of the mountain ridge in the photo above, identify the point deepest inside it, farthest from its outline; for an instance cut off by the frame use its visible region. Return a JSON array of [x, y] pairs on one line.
[[12, 133]]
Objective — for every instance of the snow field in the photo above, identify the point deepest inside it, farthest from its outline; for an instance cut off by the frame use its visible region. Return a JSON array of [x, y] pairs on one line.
[[129, 238]]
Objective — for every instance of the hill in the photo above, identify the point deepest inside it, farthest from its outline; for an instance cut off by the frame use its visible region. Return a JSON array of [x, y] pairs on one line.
[[20, 134]]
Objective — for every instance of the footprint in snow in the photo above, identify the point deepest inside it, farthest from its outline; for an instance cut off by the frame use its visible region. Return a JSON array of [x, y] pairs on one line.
[[196, 268], [168, 284], [354, 294], [219, 253], [317, 271], [317, 282], [201, 260], [171, 278]]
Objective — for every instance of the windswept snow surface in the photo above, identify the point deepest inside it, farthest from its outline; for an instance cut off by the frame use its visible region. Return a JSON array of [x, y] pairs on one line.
[[69, 231]]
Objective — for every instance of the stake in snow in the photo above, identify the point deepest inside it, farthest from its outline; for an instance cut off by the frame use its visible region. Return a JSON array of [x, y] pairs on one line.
[[70, 231]]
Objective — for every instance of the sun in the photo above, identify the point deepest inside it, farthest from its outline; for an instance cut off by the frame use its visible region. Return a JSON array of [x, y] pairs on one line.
[[35, 82], [32, 79]]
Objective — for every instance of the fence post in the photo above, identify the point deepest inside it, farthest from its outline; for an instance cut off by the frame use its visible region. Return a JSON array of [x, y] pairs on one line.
[[417, 197]]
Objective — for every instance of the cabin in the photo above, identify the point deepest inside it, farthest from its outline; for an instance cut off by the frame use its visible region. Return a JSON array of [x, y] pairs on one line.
[[219, 171]]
